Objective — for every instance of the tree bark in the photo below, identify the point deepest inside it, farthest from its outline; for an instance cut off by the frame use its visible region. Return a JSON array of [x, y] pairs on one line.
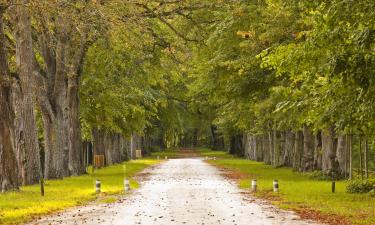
[[298, 151], [76, 165], [341, 155], [8, 162], [318, 151], [26, 139], [288, 149], [329, 151], [308, 149], [365, 159]]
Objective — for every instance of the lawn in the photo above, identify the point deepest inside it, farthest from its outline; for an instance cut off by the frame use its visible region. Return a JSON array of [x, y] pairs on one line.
[[218, 154], [298, 191], [23, 205], [170, 153]]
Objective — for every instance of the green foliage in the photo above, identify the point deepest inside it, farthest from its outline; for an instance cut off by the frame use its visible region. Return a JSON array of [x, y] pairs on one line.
[[360, 186]]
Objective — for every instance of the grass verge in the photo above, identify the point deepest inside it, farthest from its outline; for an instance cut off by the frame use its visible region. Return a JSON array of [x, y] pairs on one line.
[[310, 198], [26, 204], [170, 153]]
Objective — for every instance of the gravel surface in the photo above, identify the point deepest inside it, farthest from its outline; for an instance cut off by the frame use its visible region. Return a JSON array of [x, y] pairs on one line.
[[180, 191]]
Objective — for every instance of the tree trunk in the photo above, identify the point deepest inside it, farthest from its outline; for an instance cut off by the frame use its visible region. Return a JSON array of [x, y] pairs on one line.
[[56, 149], [298, 151], [74, 132], [288, 149], [26, 139], [365, 159], [8, 162], [318, 151], [329, 151], [350, 149], [341, 155], [266, 149], [271, 147], [360, 157], [308, 149]]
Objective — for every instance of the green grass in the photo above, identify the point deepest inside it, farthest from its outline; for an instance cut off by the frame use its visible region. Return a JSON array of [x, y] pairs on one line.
[[210, 153], [170, 153], [298, 190], [23, 205]]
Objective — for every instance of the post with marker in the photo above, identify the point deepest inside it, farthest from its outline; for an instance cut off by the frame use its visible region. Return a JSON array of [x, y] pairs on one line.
[[126, 185], [254, 185], [97, 186], [275, 186]]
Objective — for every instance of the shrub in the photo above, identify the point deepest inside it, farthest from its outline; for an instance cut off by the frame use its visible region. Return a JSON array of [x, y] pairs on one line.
[[359, 186]]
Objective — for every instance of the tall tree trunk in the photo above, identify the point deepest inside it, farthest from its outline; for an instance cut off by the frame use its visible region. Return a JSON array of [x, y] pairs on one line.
[[329, 151], [74, 132], [318, 151], [266, 149], [271, 147], [289, 147], [8, 163], [360, 157], [308, 149], [26, 139], [365, 159], [298, 151], [350, 146], [341, 155]]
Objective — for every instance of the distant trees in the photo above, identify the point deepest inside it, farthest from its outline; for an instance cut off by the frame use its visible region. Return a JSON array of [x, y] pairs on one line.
[[295, 80]]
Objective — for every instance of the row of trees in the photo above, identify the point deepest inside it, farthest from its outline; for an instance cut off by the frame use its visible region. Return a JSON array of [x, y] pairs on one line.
[[291, 83], [106, 72], [285, 82]]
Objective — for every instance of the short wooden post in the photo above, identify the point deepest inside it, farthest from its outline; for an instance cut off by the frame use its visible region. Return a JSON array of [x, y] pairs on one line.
[[97, 186], [254, 185], [126, 185], [42, 186], [275, 185]]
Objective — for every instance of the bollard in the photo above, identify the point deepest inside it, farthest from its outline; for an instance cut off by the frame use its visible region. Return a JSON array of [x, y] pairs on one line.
[[166, 157], [126, 185], [158, 157], [42, 186], [254, 185], [97, 186], [275, 186], [333, 183]]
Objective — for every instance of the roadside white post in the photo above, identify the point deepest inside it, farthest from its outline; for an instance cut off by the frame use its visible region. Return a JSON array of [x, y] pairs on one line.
[[97, 186], [254, 185], [275, 186], [126, 185]]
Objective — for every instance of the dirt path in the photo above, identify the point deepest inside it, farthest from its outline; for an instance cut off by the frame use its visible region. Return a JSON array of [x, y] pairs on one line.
[[180, 191]]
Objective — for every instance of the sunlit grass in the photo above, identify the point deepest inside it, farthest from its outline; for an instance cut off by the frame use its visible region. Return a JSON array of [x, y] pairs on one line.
[[298, 190], [210, 153], [170, 153], [17, 207]]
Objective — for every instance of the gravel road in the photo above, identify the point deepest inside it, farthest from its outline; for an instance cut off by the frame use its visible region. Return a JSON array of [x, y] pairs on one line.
[[180, 191]]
